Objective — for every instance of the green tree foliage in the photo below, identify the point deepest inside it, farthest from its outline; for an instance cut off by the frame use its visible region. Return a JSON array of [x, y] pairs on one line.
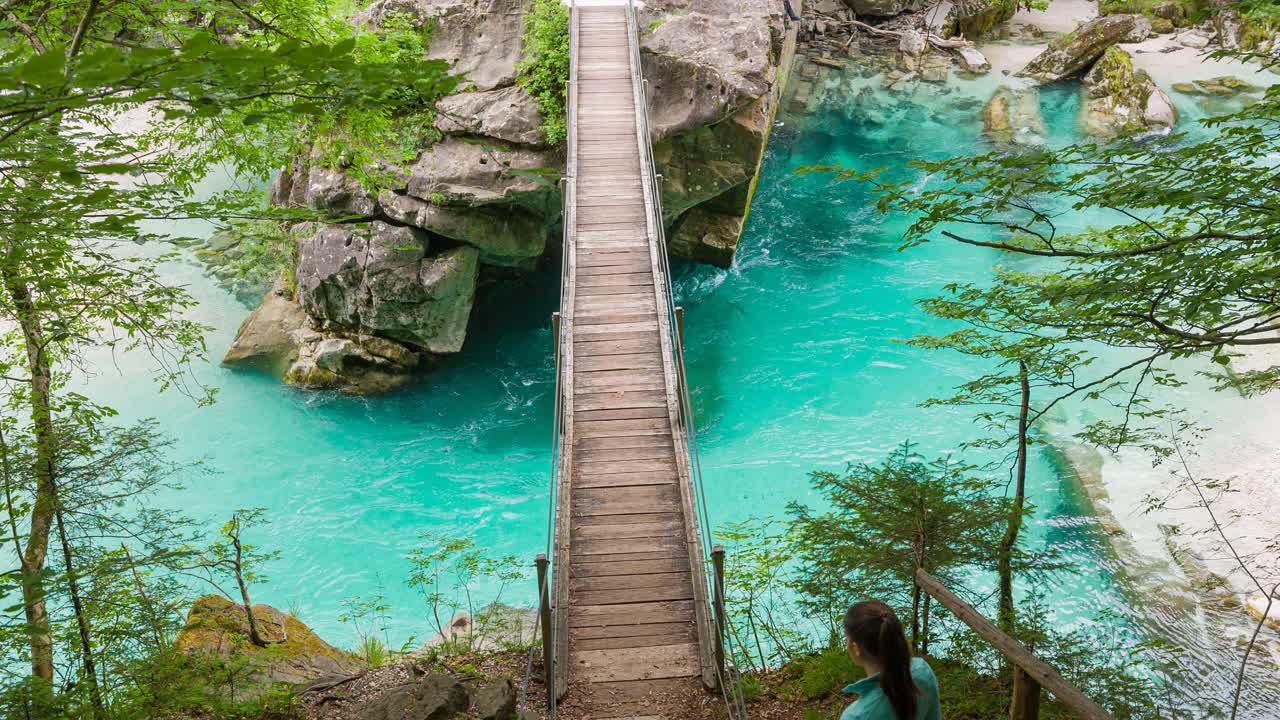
[[453, 575], [110, 113], [885, 521], [545, 67]]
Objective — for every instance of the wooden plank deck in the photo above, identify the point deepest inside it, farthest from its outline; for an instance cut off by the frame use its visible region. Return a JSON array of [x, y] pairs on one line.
[[631, 617]]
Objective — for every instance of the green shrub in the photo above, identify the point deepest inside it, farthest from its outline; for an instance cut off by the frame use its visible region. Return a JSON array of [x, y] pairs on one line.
[[823, 674], [545, 68]]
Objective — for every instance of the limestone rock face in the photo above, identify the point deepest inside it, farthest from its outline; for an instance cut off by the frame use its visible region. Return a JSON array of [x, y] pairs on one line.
[[975, 18], [1074, 52], [377, 279], [293, 654], [456, 172], [702, 69], [480, 39], [706, 236], [508, 114], [1120, 100], [716, 70], [1012, 117]]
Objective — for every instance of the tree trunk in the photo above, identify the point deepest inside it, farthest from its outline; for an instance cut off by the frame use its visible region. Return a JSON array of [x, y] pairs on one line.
[[915, 617], [254, 636], [42, 510], [82, 621], [1005, 560]]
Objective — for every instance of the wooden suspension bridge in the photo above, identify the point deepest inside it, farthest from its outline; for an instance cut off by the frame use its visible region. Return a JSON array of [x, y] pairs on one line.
[[630, 614]]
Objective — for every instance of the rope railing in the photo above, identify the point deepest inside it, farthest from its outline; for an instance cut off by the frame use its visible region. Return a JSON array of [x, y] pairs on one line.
[[728, 679]]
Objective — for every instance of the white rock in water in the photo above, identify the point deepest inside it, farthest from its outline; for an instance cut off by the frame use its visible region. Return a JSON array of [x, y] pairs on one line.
[[1256, 604], [1194, 39], [1160, 110], [912, 43], [973, 60]]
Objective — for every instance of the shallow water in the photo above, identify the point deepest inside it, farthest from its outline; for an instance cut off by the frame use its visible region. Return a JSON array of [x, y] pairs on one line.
[[791, 356]]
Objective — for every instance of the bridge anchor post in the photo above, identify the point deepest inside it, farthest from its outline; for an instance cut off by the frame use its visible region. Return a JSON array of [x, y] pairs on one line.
[[544, 616], [717, 563]]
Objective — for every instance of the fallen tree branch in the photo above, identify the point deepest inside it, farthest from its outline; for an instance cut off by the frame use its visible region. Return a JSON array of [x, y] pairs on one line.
[[936, 40]]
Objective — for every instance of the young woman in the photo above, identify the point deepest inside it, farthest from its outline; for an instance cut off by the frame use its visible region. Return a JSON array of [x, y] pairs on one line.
[[897, 686]]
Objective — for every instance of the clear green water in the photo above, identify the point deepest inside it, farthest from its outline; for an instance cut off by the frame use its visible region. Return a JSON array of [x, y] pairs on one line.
[[791, 355]]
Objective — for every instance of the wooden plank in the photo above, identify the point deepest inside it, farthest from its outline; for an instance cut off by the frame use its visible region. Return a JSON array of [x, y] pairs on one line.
[[637, 381], [658, 547], [616, 454], [608, 267], [625, 480], [645, 426], [595, 291], [616, 442], [651, 663], [621, 413], [646, 342], [633, 595], [644, 279], [623, 582], [624, 500], [612, 322], [636, 519], [656, 528], [637, 614], [633, 361], [687, 635], [605, 631], [622, 467]]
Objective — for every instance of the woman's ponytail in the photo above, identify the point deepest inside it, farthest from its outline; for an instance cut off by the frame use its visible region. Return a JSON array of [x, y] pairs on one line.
[[876, 628]]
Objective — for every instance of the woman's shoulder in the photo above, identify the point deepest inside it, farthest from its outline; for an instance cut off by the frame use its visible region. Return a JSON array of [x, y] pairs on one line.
[[923, 675]]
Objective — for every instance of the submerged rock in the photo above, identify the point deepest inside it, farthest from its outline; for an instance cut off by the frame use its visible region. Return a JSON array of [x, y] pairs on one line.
[[294, 654], [1120, 100], [1074, 52], [974, 61], [1012, 117], [707, 236]]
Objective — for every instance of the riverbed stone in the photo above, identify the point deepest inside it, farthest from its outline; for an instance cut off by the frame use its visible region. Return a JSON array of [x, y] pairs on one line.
[[480, 39], [509, 114], [1121, 100], [1073, 53], [973, 19], [1194, 39], [1012, 117], [883, 8], [972, 60]]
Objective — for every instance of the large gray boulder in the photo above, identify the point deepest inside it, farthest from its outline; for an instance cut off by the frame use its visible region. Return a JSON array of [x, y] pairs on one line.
[[457, 172], [480, 39], [506, 237], [716, 70], [509, 114], [266, 338], [436, 696], [1120, 100], [702, 69], [1073, 53], [376, 278]]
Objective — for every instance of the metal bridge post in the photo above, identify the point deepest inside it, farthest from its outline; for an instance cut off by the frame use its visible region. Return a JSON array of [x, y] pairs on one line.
[[717, 563], [544, 613]]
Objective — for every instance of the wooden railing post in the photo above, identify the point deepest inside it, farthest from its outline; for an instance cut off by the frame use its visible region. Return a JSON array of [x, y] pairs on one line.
[[1025, 704], [544, 616], [717, 564]]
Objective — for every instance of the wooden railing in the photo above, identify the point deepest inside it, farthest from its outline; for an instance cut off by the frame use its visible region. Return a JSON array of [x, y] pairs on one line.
[[1030, 674]]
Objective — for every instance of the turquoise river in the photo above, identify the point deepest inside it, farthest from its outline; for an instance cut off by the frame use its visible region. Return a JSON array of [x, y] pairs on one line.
[[791, 356]]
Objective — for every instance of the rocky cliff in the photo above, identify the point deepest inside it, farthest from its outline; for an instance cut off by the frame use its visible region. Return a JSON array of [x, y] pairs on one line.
[[390, 283]]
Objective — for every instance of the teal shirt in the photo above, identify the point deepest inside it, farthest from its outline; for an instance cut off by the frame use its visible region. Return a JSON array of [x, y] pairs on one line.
[[873, 705]]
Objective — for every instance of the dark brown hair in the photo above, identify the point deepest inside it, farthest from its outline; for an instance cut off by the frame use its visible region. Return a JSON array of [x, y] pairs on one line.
[[877, 630]]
